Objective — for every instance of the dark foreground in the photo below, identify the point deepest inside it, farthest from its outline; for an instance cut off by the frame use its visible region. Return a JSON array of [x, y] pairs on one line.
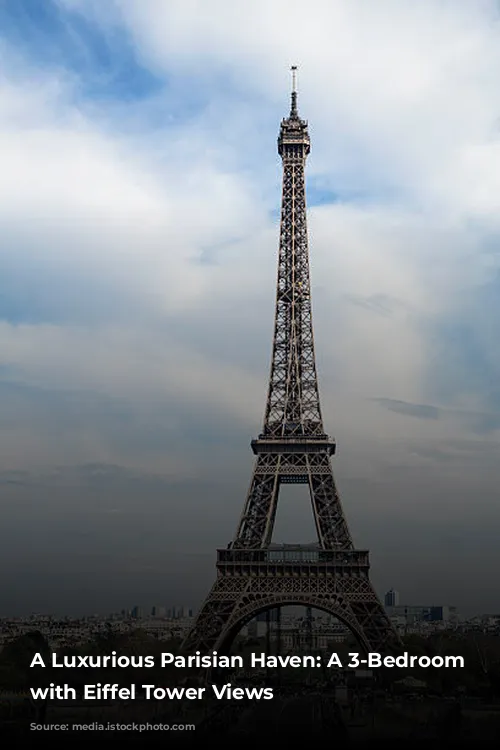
[[311, 715]]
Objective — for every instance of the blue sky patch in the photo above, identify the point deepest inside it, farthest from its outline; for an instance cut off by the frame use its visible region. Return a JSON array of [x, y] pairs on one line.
[[105, 63]]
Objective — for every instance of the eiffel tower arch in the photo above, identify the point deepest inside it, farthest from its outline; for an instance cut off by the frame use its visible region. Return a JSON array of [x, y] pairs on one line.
[[254, 575], [234, 601]]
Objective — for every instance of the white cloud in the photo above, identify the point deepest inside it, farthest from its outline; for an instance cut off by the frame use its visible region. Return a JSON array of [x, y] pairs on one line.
[[399, 93], [403, 102]]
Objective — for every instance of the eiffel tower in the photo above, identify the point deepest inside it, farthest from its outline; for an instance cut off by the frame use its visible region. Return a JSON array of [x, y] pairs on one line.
[[252, 574]]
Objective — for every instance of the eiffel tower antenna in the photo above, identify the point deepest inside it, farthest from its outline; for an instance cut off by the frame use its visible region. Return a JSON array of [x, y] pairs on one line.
[[252, 574], [293, 108]]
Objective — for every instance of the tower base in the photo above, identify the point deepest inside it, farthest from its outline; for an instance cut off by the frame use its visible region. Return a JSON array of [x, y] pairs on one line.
[[252, 581]]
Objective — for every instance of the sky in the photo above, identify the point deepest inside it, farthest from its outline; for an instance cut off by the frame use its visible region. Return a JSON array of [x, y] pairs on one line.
[[139, 211]]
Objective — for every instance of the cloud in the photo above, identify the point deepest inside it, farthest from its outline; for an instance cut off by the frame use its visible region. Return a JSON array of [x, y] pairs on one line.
[[138, 213], [421, 411], [400, 94]]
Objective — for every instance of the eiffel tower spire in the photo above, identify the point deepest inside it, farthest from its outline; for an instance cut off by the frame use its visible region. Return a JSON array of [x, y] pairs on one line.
[[293, 448]]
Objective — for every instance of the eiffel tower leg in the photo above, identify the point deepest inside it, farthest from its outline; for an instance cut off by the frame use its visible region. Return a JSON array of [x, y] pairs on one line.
[[257, 520], [331, 524], [377, 627], [213, 618], [370, 615]]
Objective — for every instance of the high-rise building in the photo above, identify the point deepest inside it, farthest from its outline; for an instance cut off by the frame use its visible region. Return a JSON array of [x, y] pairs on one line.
[[391, 598]]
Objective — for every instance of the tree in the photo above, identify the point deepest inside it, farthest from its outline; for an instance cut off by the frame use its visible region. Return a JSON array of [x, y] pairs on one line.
[[16, 672]]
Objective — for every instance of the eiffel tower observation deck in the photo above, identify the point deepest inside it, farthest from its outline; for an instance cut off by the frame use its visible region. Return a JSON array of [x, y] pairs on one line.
[[254, 575]]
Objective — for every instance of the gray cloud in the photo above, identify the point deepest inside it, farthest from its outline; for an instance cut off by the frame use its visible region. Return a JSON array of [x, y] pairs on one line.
[[421, 411], [480, 423], [377, 303]]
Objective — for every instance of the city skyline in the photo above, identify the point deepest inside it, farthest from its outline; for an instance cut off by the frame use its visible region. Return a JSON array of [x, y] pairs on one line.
[[139, 210]]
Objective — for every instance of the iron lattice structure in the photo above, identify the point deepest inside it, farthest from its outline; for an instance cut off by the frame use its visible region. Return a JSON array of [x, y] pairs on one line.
[[252, 574]]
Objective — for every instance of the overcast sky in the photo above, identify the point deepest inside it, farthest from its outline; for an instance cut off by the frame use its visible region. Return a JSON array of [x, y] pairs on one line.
[[139, 206]]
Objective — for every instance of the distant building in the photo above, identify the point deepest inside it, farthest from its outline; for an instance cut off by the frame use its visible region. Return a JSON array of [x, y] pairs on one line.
[[158, 612], [137, 613], [391, 599], [414, 614], [179, 613]]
